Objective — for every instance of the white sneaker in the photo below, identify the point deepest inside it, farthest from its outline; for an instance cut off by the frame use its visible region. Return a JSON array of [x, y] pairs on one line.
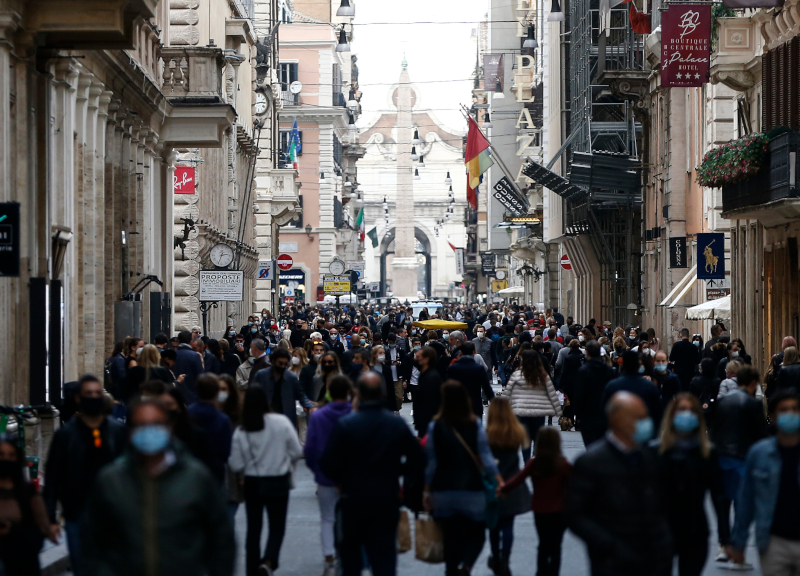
[[330, 569], [264, 570], [722, 556], [736, 567]]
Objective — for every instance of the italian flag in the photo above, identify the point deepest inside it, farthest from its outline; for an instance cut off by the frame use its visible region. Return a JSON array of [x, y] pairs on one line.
[[360, 224], [478, 159]]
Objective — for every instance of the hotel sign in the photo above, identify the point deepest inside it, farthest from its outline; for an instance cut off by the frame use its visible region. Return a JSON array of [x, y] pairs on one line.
[[685, 45]]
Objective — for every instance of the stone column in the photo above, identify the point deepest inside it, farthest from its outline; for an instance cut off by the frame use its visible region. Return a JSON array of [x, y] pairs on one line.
[[404, 263]]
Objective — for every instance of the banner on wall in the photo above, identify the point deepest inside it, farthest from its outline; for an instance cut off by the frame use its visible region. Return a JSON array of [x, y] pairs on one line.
[[677, 252], [711, 256], [183, 181], [685, 45]]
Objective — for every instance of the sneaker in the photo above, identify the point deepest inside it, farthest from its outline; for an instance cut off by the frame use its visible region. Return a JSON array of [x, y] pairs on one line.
[[736, 567], [722, 556], [264, 570], [491, 563], [330, 569]]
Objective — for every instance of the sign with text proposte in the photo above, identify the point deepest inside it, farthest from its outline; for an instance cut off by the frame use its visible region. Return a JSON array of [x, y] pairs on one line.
[[685, 45], [183, 181], [221, 285]]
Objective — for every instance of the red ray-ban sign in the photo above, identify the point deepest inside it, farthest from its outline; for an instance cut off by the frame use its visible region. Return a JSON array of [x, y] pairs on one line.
[[685, 45], [183, 181]]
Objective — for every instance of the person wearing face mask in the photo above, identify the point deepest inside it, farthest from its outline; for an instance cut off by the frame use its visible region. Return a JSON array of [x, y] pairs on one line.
[[282, 387], [666, 381], [379, 364], [230, 336], [685, 356], [775, 463], [483, 347], [335, 343], [311, 369], [632, 380], [206, 415], [688, 470], [587, 394], [259, 358], [396, 367], [80, 448], [156, 510], [188, 363], [706, 387], [613, 503], [738, 424]]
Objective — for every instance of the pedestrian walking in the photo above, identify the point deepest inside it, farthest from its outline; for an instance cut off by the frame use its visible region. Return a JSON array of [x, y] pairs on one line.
[[729, 383], [770, 493], [483, 347], [206, 415], [148, 367], [299, 361], [533, 396], [789, 374], [738, 424], [472, 376], [281, 386], [632, 380], [320, 427], [187, 362], [260, 355], [363, 457], [685, 356], [688, 470], [506, 436], [23, 517], [666, 381], [613, 501], [705, 387], [549, 472], [427, 393], [265, 448], [80, 448], [395, 362], [156, 510], [587, 394], [327, 369], [458, 454]]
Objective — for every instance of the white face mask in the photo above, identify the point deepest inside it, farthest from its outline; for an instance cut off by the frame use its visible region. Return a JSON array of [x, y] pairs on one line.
[[381, 358], [222, 396], [295, 360], [481, 335], [317, 357], [139, 351]]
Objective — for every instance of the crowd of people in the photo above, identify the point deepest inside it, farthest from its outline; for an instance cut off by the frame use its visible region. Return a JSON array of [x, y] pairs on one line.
[[154, 459]]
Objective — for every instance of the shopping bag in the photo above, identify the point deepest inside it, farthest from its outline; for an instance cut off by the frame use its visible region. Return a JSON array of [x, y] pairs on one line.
[[403, 533], [429, 541]]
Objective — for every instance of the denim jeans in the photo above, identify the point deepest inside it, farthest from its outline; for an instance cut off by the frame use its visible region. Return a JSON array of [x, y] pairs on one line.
[[532, 425], [367, 528], [257, 497], [72, 530], [327, 497]]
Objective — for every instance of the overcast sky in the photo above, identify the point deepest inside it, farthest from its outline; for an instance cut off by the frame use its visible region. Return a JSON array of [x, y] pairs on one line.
[[441, 57]]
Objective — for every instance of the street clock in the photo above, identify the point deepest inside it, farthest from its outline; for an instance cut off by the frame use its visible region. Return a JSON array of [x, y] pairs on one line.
[[261, 103], [336, 267], [221, 255], [500, 275]]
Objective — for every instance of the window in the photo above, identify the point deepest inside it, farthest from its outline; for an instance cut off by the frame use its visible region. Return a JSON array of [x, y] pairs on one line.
[[297, 222], [288, 74], [781, 85], [336, 87], [337, 151], [283, 139], [338, 219]]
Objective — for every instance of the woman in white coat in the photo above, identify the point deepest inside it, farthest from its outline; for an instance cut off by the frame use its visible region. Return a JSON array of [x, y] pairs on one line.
[[533, 396]]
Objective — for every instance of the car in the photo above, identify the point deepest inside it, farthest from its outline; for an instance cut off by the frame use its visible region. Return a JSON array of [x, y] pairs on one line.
[[431, 305]]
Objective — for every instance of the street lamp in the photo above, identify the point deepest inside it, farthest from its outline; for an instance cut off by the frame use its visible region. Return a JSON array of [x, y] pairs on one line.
[[416, 174], [414, 154], [322, 177], [416, 139], [556, 15], [421, 162], [345, 9], [448, 181], [530, 41], [343, 46], [487, 121]]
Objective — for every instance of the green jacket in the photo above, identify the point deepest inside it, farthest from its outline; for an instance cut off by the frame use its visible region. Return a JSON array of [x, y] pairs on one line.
[[175, 524]]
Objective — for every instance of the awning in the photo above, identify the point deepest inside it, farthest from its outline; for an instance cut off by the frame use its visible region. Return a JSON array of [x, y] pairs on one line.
[[711, 310], [681, 287], [512, 290]]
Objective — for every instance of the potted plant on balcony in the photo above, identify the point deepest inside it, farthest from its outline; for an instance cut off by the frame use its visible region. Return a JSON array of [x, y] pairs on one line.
[[733, 162]]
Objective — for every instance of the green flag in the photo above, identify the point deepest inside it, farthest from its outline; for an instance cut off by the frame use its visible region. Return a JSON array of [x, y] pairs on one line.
[[373, 235]]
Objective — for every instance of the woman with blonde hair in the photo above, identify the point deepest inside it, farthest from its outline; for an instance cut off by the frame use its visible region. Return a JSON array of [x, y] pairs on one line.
[[688, 469], [532, 395], [299, 361], [285, 344], [148, 367], [506, 436]]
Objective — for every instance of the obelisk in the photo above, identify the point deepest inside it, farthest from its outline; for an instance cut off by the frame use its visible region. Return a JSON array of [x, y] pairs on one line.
[[404, 263]]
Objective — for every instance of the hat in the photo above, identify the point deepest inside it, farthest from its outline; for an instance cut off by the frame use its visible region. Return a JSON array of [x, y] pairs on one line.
[[607, 323]]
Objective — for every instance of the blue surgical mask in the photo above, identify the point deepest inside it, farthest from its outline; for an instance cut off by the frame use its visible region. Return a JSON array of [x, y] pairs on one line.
[[254, 330], [644, 430], [641, 369], [392, 345], [150, 439], [685, 421], [788, 422], [232, 332], [416, 348], [696, 343], [660, 367]]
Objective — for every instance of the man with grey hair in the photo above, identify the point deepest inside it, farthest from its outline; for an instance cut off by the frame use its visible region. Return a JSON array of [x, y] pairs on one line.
[[456, 339], [613, 502], [259, 359]]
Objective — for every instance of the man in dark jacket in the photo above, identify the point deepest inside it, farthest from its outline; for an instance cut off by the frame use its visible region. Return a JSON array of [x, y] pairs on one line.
[[214, 423], [364, 457], [427, 393], [685, 356], [299, 334], [738, 424], [310, 370], [613, 500], [788, 377], [472, 376], [632, 381], [76, 458], [587, 394], [187, 363], [156, 510], [260, 356], [716, 330], [281, 386]]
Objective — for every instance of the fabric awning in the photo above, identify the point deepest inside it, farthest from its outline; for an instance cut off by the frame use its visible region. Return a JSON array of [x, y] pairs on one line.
[[690, 277], [711, 310], [512, 290]]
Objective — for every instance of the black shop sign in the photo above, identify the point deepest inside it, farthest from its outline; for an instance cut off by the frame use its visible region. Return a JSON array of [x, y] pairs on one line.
[[677, 252]]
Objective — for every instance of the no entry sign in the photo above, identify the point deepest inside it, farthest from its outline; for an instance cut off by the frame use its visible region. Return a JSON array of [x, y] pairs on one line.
[[285, 262], [565, 263]]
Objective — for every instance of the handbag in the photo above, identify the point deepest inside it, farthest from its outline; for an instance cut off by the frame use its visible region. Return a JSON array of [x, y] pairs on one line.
[[489, 485], [403, 532], [429, 541]]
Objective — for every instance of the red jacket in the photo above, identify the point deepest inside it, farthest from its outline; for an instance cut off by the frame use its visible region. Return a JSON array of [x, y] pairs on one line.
[[549, 492]]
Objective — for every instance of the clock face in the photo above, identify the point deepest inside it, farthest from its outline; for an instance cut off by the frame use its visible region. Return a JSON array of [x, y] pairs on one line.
[[500, 275], [221, 255], [261, 103], [336, 267]]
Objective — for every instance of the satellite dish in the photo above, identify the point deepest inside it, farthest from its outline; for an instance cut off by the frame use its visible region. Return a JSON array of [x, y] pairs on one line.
[[295, 87]]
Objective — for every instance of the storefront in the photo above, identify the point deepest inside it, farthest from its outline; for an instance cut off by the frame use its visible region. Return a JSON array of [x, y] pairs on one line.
[[292, 286]]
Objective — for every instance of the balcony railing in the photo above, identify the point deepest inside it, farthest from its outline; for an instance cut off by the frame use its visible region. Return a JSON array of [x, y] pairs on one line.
[[289, 99], [193, 74], [776, 180]]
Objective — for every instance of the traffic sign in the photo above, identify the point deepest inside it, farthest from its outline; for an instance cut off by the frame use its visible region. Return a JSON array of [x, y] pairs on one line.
[[288, 300], [265, 270], [565, 263], [285, 262], [357, 266]]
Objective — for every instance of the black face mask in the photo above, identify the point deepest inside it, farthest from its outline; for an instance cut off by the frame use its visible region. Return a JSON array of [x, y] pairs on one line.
[[8, 469], [91, 406]]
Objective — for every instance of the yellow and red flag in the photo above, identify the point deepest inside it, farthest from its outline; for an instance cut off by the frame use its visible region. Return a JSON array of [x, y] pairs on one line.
[[478, 159]]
